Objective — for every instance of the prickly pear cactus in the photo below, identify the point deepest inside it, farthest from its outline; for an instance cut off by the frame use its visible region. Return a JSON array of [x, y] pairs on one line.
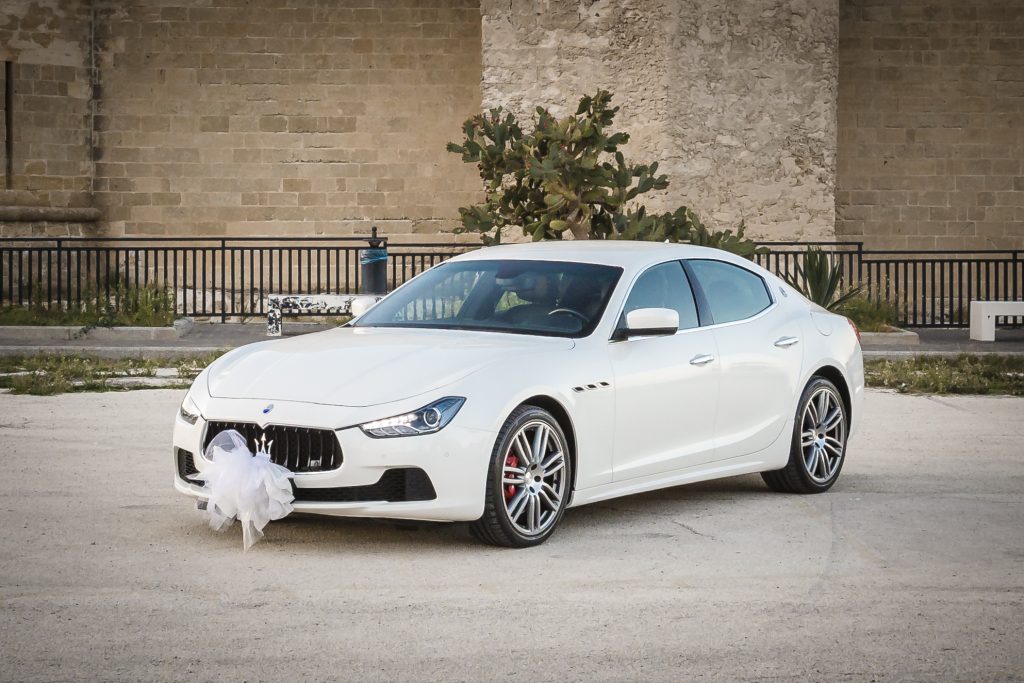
[[568, 176]]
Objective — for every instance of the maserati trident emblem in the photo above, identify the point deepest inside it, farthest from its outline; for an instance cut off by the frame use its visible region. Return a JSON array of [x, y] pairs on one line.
[[262, 445]]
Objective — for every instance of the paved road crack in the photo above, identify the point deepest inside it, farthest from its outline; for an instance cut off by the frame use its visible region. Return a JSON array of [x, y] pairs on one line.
[[692, 530]]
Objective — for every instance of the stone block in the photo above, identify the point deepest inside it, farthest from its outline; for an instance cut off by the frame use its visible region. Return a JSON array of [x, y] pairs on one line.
[[213, 124]]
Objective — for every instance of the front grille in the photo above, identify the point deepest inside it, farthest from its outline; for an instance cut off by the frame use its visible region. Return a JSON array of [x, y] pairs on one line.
[[401, 485], [186, 465], [300, 449]]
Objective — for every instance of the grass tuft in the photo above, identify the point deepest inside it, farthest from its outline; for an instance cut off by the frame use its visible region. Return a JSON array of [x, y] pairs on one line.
[[964, 374], [869, 316], [147, 306], [47, 375]]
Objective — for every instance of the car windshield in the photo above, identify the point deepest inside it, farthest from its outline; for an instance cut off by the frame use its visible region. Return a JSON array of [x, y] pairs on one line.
[[550, 298]]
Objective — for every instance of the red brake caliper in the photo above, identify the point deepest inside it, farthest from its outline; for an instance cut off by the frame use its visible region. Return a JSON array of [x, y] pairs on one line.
[[511, 461]]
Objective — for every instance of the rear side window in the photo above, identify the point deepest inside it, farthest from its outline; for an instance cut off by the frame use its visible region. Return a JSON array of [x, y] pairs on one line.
[[733, 293], [664, 286]]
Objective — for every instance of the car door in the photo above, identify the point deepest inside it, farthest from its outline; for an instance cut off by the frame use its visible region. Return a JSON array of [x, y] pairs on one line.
[[759, 352], [666, 387]]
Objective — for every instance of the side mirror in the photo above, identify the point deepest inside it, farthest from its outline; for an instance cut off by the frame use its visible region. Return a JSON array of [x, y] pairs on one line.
[[361, 304], [651, 322]]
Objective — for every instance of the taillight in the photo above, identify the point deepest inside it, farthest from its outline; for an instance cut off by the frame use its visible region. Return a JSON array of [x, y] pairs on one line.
[[855, 330]]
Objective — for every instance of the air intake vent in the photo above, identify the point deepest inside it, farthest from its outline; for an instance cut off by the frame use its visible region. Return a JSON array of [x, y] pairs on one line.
[[400, 485], [186, 465]]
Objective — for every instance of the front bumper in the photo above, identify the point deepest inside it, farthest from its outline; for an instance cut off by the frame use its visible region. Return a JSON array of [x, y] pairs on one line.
[[454, 460]]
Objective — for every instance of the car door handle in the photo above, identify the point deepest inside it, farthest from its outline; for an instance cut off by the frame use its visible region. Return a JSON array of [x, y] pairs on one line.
[[786, 342], [702, 359]]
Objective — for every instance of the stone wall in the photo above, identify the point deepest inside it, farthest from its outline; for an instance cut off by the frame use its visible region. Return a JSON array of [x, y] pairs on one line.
[[226, 117], [284, 118], [47, 43], [736, 100], [275, 117], [931, 124]]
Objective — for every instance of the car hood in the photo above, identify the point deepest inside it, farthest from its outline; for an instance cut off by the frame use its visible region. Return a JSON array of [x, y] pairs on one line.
[[365, 366]]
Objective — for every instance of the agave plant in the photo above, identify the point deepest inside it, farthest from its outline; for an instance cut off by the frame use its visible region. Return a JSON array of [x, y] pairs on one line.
[[821, 280]]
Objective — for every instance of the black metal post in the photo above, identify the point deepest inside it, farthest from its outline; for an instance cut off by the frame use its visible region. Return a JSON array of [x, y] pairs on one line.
[[60, 280], [374, 265], [223, 285]]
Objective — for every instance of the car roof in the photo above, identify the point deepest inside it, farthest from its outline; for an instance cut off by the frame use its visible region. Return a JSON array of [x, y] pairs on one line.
[[623, 253]]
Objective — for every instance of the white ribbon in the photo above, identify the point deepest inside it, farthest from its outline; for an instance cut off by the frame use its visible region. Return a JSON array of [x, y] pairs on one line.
[[244, 486]]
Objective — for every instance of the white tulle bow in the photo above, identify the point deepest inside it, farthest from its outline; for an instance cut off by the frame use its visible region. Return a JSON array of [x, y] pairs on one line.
[[244, 486]]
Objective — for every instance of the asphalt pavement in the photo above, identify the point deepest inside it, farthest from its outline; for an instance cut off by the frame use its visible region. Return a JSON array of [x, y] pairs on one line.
[[911, 568]]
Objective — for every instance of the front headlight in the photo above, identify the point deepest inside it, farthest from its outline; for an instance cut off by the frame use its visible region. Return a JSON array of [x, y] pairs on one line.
[[427, 420], [189, 411]]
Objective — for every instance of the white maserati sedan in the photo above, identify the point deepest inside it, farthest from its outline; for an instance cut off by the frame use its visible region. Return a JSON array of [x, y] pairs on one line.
[[508, 384]]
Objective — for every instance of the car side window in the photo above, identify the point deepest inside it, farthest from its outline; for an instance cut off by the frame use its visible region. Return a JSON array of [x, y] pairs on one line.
[[733, 293], [665, 286]]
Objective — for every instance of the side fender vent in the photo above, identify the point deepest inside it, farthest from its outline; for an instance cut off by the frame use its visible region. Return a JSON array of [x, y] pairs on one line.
[[590, 387]]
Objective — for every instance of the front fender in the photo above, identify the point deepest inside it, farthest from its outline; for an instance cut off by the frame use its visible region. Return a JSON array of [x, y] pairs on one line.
[[591, 411]]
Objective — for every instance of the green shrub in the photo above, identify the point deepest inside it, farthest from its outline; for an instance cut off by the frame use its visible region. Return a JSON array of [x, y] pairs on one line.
[[724, 239], [568, 175], [148, 306], [869, 315]]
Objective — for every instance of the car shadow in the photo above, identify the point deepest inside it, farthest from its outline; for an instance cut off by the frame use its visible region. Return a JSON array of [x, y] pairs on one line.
[[381, 534], [329, 534], [675, 500]]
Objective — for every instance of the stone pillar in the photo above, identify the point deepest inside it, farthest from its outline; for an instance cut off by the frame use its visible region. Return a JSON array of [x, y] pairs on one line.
[[735, 99]]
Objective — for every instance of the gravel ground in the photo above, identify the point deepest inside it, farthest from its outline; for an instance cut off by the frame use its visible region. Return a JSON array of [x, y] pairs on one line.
[[911, 568]]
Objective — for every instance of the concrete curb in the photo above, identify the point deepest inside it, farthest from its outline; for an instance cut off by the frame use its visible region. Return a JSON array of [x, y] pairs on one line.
[[183, 326], [898, 337], [114, 352], [57, 333]]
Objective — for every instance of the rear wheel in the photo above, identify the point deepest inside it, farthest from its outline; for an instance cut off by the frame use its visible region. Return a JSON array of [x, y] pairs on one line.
[[527, 483], [818, 448]]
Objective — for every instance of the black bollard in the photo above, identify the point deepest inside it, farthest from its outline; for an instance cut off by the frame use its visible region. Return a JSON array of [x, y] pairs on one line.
[[374, 264]]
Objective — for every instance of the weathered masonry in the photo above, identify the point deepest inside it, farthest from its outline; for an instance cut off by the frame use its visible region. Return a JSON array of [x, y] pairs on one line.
[[931, 124], [896, 122]]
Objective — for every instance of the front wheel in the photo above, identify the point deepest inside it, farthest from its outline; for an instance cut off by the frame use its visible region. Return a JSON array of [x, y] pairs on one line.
[[818, 448], [528, 481]]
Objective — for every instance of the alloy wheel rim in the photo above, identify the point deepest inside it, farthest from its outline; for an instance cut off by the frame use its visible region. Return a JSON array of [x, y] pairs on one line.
[[823, 435], [533, 478]]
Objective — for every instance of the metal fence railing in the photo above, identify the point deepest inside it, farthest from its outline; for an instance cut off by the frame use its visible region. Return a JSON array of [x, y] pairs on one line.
[[207, 277], [232, 277], [927, 288]]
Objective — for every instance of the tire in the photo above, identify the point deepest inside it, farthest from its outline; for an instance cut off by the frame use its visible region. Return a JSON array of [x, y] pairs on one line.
[[806, 472], [525, 497]]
